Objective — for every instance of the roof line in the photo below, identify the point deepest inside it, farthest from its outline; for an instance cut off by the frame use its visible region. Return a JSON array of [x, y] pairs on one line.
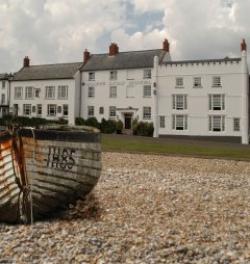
[[202, 61], [125, 52], [50, 64]]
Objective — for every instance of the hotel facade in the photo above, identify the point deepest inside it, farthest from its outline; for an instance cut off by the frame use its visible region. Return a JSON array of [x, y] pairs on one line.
[[207, 98]]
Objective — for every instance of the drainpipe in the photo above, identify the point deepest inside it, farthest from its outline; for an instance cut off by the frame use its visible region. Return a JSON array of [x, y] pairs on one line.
[[155, 97], [244, 98]]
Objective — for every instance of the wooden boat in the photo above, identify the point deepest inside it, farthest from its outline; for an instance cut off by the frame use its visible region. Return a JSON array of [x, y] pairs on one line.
[[45, 170]]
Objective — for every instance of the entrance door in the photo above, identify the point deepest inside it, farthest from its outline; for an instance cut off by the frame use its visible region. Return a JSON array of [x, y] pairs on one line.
[[128, 119]]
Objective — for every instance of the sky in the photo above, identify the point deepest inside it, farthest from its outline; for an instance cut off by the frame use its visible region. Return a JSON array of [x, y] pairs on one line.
[[51, 31]]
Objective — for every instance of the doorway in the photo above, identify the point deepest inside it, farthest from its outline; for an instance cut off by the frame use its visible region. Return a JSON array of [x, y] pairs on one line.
[[127, 121]]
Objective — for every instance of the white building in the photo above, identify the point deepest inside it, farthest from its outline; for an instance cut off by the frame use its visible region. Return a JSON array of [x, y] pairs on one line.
[[4, 93], [46, 91], [192, 98], [119, 85], [207, 98], [204, 97]]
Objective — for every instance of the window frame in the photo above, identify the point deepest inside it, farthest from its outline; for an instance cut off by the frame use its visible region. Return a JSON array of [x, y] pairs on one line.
[[216, 102], [111, 93], [113, 75], [197, 84], [145, 87], [49, 108], [29, 95], [178, 100], [162, 121], [38, 108], [147, 73], [147, 113], [20, 91], [212, 125], [62, 92], [176, 122], [50, 92], [112, 111], [27, 107], [91, 76], [179, 82], [91, 92], [216, 83], [65, 109], [236, 127], [91, 111]]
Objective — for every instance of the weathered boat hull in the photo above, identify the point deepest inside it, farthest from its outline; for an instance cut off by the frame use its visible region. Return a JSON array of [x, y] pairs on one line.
[[60, 167], [9, 189]]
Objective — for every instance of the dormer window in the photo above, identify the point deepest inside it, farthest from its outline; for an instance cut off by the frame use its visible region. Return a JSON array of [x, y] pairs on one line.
[[113, 75], [216, 81], [147, 74], [91, 76]]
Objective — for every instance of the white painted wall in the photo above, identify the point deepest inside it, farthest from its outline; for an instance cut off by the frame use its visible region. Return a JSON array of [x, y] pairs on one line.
[[102, 98], [71, 83], [198, 99]]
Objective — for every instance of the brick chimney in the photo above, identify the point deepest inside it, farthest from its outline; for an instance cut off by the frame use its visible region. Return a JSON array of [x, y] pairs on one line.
[[243, 45], [113, 49], [26, 61], [86, 56], [166, 45]]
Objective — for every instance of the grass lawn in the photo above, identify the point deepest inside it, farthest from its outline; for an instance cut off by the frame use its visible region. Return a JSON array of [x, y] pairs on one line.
[[170, 146]]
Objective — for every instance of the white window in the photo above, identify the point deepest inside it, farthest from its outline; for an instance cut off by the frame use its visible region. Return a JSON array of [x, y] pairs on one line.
[[3, 84], [59, 109], [216, 123], [51, 110], [216, 82], [162, 121], [101, 110], [91, 111], [39, 109], [113, 75], [33, 108], [50, 92], [180, 122], [91, 76], [29, 92], [18, 92], [146, 112], [236, 124], [147, 74], [62, 92], [113, 92], [217, 102], [91, 91], [27, 109], [37, 92], [179, 101], [112, 111], [197, 82], [179, 82], [65, 110], [3, 99], [147, 91]]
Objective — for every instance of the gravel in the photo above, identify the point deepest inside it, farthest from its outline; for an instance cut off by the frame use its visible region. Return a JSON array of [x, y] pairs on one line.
[[146, 209]]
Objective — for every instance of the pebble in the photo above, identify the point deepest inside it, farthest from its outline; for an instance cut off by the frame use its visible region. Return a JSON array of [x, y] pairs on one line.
[[146, 209]]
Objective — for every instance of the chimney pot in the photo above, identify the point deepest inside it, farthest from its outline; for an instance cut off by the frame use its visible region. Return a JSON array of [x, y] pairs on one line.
[[243, 45], [86, 56], [113, 49], [166, 45], [26, 61]]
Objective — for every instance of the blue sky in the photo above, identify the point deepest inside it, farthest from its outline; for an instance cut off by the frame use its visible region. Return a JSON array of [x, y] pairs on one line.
[[50, 31]]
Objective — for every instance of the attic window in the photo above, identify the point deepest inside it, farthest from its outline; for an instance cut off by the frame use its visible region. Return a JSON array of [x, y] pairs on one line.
[[113, 75]]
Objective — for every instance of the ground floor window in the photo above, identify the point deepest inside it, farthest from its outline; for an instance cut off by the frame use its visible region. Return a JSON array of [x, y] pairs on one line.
[[146, 112], [112, 111], [51, 110], [39, 109], [180, 122], [101, 110], [162, 121], [91, 111], [216, 123], [27, 109], [65, 110], [236, 123]]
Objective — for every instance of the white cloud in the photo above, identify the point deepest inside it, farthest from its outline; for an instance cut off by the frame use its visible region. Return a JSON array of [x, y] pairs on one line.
[[59, 30]]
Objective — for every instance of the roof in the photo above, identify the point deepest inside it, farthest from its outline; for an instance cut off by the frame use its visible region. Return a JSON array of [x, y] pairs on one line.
[[48, 71], [4, 76], [123, 60], [203, 61]]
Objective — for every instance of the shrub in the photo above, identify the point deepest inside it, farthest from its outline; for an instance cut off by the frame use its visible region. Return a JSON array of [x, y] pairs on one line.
[[143, 129], [92, 121], [119, 127], [108, 126], [80, 121]]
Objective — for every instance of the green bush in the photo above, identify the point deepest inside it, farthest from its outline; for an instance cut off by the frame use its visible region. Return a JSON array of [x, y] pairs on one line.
[[108, 126], [119, 127], [93, 122], [80, 121], [143, 129]]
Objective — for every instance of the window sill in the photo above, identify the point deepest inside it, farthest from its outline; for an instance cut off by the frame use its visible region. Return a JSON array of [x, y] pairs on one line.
[[179, 87]]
